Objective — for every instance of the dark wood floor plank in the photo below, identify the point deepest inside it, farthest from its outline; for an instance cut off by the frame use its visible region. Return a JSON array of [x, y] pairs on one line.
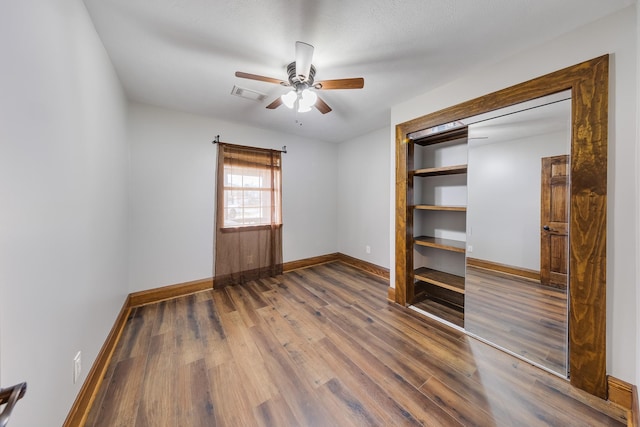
[[242, 301], [460, 408], [385, 351], [275, 413], [194, 403], [299, 348], [356, 378], [518, 314], [406, 395], [246, 354], [223, 301], [296, 391], [133, 342], [559, 401], [120, 403], [215, 348], [158, 408], [229, 396], [339, 400], [322, 347], [301, 321]]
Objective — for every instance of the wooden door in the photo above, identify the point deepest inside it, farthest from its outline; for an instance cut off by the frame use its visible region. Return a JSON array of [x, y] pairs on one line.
[[554, 221]]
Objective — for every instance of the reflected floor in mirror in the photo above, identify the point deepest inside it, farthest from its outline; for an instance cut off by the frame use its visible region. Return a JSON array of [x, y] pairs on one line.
[[321, 346], [519, 315]]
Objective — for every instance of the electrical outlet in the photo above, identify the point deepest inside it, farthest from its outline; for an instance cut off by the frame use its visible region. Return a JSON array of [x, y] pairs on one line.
[[249, 259], [367, 249], [469, 248], [77, 367]]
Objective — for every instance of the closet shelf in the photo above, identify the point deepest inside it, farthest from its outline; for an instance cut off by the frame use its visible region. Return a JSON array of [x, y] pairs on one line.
[[440, 278], [437, 242], [444, 170], [440, 208], [439, 137]]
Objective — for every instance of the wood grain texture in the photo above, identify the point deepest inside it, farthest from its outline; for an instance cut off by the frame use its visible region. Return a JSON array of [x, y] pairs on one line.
[[440, 243], [445, 170], [309, 262], [391, 294], [351, 83], [83, 402], [440, 278], [441, 208], [518, 314], [620, 392], [321, 347], [588, 82], [167, 292], [404, 228], [516, 271], [634, 418], [364, 265]]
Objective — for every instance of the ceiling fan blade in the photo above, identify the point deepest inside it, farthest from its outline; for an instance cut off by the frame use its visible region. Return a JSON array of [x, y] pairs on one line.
[[275, 104], [304, 55], [355, 83], [322, 106], [260, 78]]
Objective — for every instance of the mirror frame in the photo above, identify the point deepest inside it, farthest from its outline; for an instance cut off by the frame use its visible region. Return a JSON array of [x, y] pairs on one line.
[[589, 84]]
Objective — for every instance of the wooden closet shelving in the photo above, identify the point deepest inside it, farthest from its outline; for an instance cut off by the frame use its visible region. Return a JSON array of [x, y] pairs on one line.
[[440, 278], [437, 242], [446, 170], [441, 208], [433, 287]]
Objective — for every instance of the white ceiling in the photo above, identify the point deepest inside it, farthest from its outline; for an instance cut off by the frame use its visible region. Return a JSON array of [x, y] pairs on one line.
[[182, 54]]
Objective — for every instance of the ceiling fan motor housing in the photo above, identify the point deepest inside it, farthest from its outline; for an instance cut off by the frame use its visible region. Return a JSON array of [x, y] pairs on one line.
[[298, 83]]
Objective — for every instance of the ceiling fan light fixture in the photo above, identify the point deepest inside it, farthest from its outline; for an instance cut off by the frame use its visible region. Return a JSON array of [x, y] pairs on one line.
[[289, 98], [307, 100], [301, 77]]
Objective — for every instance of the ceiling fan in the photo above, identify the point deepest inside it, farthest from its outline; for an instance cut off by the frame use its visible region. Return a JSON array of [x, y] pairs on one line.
[[301, 80]]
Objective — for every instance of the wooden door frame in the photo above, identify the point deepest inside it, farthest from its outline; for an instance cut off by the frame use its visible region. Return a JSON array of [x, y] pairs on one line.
[[589, 85]]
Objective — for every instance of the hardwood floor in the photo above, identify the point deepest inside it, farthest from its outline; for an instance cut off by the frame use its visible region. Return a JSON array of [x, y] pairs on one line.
[[321, 347], [520, 315]]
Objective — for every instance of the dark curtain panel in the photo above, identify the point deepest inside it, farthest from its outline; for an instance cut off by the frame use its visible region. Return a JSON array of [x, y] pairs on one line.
[[248, 214]]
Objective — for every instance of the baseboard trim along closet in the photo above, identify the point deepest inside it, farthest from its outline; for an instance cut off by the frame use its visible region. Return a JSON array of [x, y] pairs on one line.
[[620, 392], [391, 294], [80, 409]]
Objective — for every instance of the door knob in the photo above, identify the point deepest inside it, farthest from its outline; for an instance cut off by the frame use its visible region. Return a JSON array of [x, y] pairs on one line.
[[546, 228]]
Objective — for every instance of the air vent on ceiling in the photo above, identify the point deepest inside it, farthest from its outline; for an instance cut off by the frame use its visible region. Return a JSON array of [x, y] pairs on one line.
[[248, 94]]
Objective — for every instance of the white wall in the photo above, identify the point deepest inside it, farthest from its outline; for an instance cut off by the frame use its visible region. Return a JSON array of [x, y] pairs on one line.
[[63, 177], [363, 197], [173, 190], [637, 214], [617, 36], [503, 213]]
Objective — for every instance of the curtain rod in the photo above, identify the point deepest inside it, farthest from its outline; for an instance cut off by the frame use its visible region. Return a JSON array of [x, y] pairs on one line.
[[216, 140]]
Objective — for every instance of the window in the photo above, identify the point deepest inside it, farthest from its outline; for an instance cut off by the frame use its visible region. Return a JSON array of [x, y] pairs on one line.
[[251, 188], [249, 215], [247, 197]]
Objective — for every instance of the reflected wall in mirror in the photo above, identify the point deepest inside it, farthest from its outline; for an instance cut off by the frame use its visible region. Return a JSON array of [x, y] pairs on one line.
[[517, 240]]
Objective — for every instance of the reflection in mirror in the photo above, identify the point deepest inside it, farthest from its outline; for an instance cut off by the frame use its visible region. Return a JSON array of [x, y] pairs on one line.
[[517, 233]]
